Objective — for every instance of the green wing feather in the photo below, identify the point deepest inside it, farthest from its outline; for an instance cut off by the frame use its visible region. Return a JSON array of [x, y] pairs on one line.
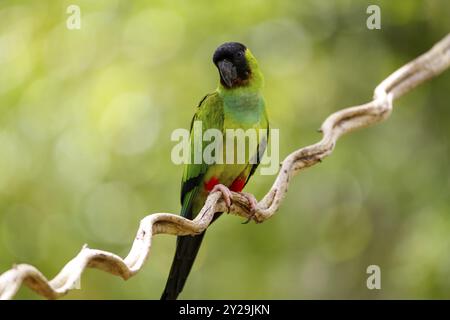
[[260, 150], [210, 112]]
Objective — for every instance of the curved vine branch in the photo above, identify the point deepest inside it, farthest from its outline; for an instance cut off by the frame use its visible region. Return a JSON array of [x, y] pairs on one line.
[[426, 66]]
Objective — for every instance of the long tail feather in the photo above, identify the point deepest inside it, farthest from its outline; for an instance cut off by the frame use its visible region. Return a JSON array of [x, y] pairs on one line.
[[186, 251]]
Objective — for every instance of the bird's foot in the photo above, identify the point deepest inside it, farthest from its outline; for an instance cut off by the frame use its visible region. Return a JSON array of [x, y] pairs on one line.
[[253, 204], [226, 193]]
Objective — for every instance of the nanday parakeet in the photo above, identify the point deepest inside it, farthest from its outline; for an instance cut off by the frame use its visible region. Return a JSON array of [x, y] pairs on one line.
[[237, 103]]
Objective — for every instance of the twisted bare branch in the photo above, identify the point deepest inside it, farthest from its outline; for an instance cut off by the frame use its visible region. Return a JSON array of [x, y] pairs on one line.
[[426, 66]]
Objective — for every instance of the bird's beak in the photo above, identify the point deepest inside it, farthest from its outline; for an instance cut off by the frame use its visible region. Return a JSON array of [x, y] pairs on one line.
[[228, 72]]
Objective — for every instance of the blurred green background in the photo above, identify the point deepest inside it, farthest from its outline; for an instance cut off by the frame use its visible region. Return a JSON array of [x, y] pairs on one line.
[[85, 123]]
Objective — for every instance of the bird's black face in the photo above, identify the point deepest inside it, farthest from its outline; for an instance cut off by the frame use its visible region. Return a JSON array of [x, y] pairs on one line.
[[230, 59]]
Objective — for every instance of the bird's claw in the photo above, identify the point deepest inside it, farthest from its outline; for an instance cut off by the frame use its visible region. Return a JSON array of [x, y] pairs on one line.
[[253, 204], [226, 193]]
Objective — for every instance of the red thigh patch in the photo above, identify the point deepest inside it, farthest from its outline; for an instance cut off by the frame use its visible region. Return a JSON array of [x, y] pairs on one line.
[[209, 185]]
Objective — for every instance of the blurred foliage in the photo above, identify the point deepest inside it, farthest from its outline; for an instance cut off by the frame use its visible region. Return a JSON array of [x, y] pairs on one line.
[[85, 123]]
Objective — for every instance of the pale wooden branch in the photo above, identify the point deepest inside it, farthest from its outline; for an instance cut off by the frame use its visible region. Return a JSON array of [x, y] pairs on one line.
[[427, 66]]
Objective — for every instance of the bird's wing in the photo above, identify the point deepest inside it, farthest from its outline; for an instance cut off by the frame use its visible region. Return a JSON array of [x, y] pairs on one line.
[[260, 149], [210, 112]]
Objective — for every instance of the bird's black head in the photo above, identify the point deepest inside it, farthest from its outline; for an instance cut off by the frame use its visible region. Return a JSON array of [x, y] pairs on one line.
[[232, 63]]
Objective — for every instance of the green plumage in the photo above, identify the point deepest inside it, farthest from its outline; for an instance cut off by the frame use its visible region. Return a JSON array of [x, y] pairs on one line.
[[239, 107]]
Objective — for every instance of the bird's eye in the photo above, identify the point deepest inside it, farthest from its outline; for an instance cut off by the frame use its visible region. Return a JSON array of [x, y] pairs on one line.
[[240, 54]]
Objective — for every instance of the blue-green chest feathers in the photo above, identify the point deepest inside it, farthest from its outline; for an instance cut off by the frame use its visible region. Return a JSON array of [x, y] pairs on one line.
[[244, 109]]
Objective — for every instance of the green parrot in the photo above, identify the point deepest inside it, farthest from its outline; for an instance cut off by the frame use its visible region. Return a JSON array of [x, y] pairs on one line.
[[237, 103]]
